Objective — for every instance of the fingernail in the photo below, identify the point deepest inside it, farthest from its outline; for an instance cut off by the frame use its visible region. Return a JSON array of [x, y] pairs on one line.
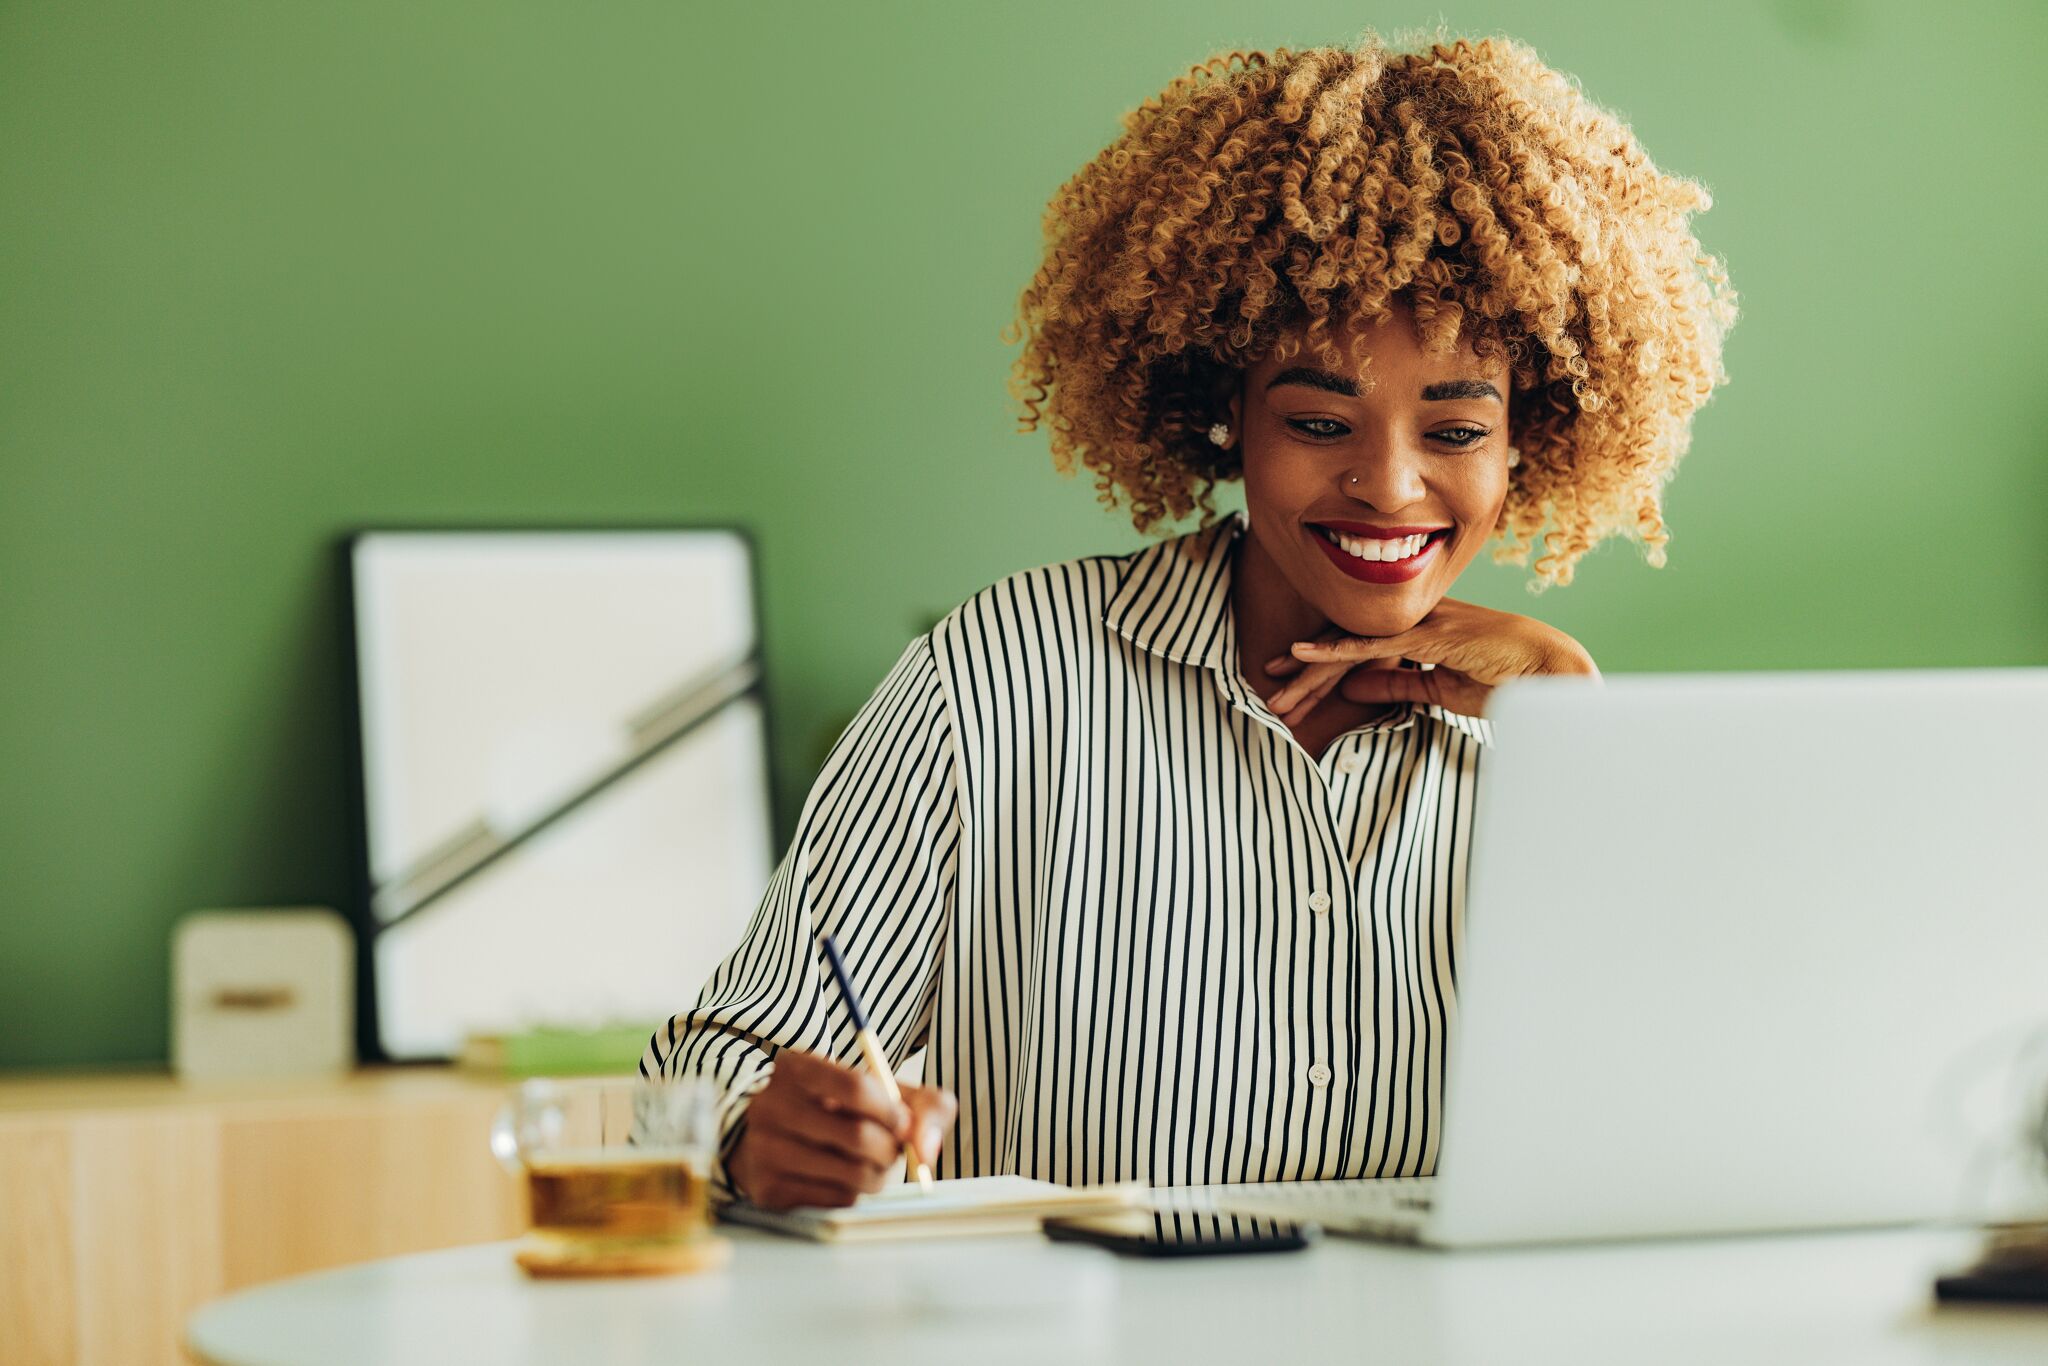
[[1276, 661]]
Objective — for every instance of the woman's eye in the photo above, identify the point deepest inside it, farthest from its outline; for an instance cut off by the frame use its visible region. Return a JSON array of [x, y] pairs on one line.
[[1319, 427]]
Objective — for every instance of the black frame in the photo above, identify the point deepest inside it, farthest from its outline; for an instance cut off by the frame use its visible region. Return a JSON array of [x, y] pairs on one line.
[[369, 1038]]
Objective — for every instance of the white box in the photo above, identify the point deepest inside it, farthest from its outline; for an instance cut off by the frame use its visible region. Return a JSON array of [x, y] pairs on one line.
[[262, 992]]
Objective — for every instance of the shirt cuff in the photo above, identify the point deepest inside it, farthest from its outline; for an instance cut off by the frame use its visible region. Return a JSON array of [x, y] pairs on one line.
[[732, 1123]]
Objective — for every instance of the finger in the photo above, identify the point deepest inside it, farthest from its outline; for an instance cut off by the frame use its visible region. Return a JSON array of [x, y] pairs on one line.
[[739, 1168], [1446, 688], [839, 1131], [1310, 702], [839, 1087], [787, 1190], [1388, 686], [1314, 677], [1283, 665], [789, 1152], [790, 1107], [1356, 648], [1328, 678], [932, 1111]]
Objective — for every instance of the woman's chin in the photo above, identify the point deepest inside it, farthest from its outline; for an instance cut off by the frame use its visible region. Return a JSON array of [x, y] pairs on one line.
[[1381, 619]]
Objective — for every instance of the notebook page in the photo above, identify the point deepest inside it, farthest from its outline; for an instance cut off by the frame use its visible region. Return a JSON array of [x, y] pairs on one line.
[[961, 1196]]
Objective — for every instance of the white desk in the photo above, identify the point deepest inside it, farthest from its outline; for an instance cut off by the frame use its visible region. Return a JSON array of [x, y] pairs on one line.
[[1861, 1299]]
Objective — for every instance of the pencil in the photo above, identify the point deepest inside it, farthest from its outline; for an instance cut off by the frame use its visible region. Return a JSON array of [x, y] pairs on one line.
[[871, 1049]]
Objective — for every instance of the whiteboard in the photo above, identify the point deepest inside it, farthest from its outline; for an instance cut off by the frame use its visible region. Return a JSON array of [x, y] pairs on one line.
[[566, 808]]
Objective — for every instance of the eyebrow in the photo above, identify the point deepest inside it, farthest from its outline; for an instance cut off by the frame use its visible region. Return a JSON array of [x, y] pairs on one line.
[[1337, 384]]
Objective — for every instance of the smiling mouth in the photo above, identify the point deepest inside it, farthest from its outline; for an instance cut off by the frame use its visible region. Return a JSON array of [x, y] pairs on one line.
[[1371, 559], [1381, 549]]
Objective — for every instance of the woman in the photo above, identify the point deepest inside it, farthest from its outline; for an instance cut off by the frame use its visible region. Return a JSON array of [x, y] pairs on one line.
[[1160, 856]]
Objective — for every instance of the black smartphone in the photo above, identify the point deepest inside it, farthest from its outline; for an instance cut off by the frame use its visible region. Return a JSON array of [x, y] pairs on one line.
[[1172, 1233]]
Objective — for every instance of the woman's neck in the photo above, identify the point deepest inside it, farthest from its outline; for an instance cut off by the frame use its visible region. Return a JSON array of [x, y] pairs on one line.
[[1270, 614]]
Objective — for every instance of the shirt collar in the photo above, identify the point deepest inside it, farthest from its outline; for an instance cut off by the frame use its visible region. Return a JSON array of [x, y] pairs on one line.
[[1173, 599], [1174, 596]]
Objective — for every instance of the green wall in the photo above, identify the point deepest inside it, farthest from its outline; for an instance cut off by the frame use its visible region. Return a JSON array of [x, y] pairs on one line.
[[271, 270]]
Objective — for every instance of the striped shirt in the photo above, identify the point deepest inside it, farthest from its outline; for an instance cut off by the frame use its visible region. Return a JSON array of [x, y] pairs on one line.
[[1137, 929]]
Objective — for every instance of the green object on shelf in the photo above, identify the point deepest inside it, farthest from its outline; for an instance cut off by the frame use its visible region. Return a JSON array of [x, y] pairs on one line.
[[555, 1052]]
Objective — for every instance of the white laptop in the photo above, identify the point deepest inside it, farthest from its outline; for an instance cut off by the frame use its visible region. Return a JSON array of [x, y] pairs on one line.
[[1743, 952]]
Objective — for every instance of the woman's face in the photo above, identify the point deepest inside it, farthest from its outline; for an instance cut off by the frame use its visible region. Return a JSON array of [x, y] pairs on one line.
[[1423, 455]]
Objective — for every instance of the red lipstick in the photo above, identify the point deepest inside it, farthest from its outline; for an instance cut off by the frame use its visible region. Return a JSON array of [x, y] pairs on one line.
[[1382, 571], [1384, 532]]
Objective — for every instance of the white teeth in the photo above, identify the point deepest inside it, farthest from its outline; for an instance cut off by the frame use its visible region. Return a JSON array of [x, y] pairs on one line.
[[1375, 548]]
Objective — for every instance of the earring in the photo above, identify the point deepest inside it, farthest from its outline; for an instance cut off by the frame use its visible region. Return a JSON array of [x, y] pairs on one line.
[[1220, 434]]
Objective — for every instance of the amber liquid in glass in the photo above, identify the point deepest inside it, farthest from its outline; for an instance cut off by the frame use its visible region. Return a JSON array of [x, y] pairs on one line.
[[625, 1198]]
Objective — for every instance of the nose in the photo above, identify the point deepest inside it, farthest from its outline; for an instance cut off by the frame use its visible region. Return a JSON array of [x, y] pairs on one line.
[[1388, 479]]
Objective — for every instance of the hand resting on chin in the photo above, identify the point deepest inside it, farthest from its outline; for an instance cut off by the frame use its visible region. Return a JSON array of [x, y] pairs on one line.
[[1470, 649]]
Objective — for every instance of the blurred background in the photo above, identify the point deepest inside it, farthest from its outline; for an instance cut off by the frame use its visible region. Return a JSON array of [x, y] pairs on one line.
[[271, 272]]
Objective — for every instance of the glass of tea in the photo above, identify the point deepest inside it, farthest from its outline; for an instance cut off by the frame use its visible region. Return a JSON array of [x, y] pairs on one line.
[[616, 1172]]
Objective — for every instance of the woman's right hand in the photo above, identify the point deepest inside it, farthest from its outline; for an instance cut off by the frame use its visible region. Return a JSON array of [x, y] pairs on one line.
[[822, 1134]]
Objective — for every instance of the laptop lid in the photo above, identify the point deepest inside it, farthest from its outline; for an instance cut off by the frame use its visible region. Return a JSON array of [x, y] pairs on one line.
[[1738, 946]]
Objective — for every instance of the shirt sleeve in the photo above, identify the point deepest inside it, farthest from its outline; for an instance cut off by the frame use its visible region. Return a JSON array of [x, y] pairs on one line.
[[874, 863]]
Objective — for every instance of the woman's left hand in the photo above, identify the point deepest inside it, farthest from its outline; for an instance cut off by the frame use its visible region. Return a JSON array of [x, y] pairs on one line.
[[1471, 649]]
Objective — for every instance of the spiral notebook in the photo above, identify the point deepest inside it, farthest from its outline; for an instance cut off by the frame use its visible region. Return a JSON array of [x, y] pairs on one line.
[[958, 1208]]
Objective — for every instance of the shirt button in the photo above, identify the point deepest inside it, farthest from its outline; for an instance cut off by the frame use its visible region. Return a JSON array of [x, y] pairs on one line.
[[1319, 1075], [1319, 902], [1350, 763]]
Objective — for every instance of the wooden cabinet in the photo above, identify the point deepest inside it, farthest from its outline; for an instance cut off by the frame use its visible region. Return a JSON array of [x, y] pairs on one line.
[[127, 1201]]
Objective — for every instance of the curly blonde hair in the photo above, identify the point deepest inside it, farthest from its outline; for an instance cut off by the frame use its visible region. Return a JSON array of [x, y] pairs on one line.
[[1481, 186]]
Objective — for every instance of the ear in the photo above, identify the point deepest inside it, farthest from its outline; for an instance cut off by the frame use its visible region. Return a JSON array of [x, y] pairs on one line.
[[1230, 396]]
